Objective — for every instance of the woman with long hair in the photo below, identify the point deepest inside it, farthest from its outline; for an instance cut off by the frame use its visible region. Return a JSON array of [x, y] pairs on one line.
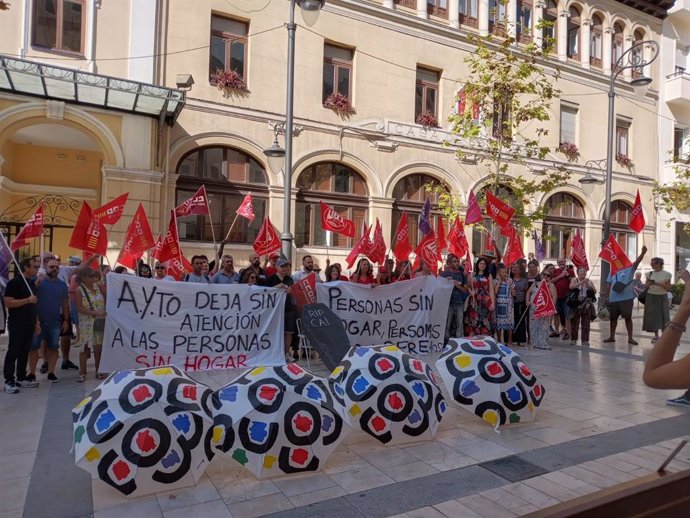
[[334, 272], [363, 273], [539, 327], [91, 308], [479, 315], [519, 304], [403, 271]]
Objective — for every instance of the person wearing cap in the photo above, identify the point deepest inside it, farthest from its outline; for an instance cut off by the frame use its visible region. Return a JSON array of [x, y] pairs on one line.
[[456, 305], [227, 273], [307, 268], [271, 264], [281, 279]]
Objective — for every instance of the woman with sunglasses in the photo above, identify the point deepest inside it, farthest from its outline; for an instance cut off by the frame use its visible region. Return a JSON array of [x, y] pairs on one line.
[[91, 308], [249, 277], [539, 327]]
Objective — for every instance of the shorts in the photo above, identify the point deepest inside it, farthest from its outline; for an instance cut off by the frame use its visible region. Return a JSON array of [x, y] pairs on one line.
[[73, 313], [50, 332], [621, 308]]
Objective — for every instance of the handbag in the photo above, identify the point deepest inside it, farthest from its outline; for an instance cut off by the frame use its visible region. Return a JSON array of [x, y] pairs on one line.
[[98, 322], [642, 297], [572, 300]]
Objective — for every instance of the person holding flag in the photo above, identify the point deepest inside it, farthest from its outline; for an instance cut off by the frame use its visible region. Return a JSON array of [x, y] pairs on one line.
[[620, 299], [541, 294], [656, 313]]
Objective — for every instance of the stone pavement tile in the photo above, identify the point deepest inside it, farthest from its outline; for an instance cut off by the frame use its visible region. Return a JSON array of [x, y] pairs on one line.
[[529, 494], [606, 470], [25, 442], [576, 414], [361, 479], [17, 513], [13, 493], [526, 509], [551, 435], [551, 488], [383, 458], [215, 509], [525, 443], [454, 509], [325, 509], [484, 450], [547, 458], [639, 461], [590, 477], [410, 471], [440, 456], [513, 468], [145, 507], [242, 489], [567, 481], [504, 498], [344, 460], [424, 512], [260, 506], [203, 491], [21, 463], [317, 496], [617, 464], [485, 507], [638, 418], [298, 484]]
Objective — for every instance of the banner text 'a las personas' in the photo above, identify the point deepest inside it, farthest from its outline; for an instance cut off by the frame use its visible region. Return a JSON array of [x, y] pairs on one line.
[[192, 326], [410, 314]]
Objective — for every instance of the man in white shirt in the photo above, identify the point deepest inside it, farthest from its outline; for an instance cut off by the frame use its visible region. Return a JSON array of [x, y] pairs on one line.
[[307, 268]]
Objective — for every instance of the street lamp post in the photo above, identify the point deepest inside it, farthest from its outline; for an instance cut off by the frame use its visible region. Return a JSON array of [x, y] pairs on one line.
[[633, 58], [310, 12]]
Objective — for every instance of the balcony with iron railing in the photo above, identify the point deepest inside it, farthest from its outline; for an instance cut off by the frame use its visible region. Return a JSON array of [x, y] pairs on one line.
[[677, 88]]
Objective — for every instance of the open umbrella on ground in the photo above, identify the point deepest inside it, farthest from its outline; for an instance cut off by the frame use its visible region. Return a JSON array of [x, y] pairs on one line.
[[278, 420], [490, 380], [393, 395], [145, 431]]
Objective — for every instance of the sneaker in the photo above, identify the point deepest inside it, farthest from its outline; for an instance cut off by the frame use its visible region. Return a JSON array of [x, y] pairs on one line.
[[289, 358], [19, 383], [679, 401], [69, 365], [44, 368], [29, 383], [52, 377], [554, 335], [11, 388]]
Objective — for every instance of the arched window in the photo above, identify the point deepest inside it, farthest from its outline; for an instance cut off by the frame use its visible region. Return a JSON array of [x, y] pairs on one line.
[[409, 195], [523, 26], [228, 174], [481, 239], [340, 187], [573, 41], [595, 47], [566, 215], [621, 212], [550, 15], [638, 53], [617, 45]]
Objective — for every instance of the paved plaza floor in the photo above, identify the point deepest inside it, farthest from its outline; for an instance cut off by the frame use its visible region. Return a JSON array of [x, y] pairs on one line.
[[598, 426]]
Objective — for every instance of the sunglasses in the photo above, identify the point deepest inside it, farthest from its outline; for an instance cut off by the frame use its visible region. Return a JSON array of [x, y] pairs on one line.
[[159, 267]]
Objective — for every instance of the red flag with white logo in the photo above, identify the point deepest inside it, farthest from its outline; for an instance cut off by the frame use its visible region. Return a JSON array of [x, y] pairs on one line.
[[498, 210], [513, 250], [111, 212], [402, 248], [177, 268], [31, 229], [474, 211], [331, 220], [543, 302], [246, 209], [613, 254], [304, 291], [427, 251], [578, 253], [138, 239], [457, 239], [96, 240], [267, 240], [378, 245], [441, 239], [196, 205], [362, 246], [157, 247], [170, 246], [637, 221]]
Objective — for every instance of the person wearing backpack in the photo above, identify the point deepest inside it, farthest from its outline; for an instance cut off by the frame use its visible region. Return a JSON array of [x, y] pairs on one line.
[[197, 275]]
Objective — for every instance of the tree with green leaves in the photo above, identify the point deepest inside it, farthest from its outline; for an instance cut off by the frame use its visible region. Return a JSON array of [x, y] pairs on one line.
[[507, 101], [675, 196]]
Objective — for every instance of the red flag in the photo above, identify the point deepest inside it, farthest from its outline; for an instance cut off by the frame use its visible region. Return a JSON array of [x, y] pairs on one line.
[[111, 212], [637, 220], [402, 240], [196, 205], [427, 251], [513, 250], [170, 246], [367, 243], [441, 240], [267, 240], [178, 267], [543, 302], [362, 246], [96, 239], [138, 239], [331, 220], [78, 237], [157, 247], [246, 210], [474, 211], [498, 210], [31, 229], [304, 291], [578, 253], [457, 239], [378, 245], [613, 254]]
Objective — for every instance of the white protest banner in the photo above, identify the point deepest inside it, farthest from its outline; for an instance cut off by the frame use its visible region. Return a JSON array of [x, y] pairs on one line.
[[410, 314], [192, 326]]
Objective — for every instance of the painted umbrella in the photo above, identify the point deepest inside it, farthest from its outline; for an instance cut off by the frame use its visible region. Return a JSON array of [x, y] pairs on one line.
[[145, 431], [393, 395], [278, 420], [490, 380]]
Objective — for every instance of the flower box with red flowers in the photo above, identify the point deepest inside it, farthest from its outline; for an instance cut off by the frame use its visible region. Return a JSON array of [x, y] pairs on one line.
[[427, 119], [624, 160], [229, 80], [340, 104], [570, 150]]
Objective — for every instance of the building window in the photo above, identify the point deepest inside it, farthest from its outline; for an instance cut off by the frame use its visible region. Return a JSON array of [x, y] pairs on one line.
[[437, 7], [412, 4], [523, 18], [228, 175], [337, 71], [481, 238], [573, 41], [681, 144], [617, 44], [622, 137], [550, 17], [595, 47], [566, 216], [340, 187], [468, 13], [228, 46], [568, 132], [59, 25], [637, 54], [620, 216], [497, 17], [426, 92], [409, 195]]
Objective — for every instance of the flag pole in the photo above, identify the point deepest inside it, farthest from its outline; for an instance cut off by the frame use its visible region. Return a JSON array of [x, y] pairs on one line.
[[227, 236], [14, 259]]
